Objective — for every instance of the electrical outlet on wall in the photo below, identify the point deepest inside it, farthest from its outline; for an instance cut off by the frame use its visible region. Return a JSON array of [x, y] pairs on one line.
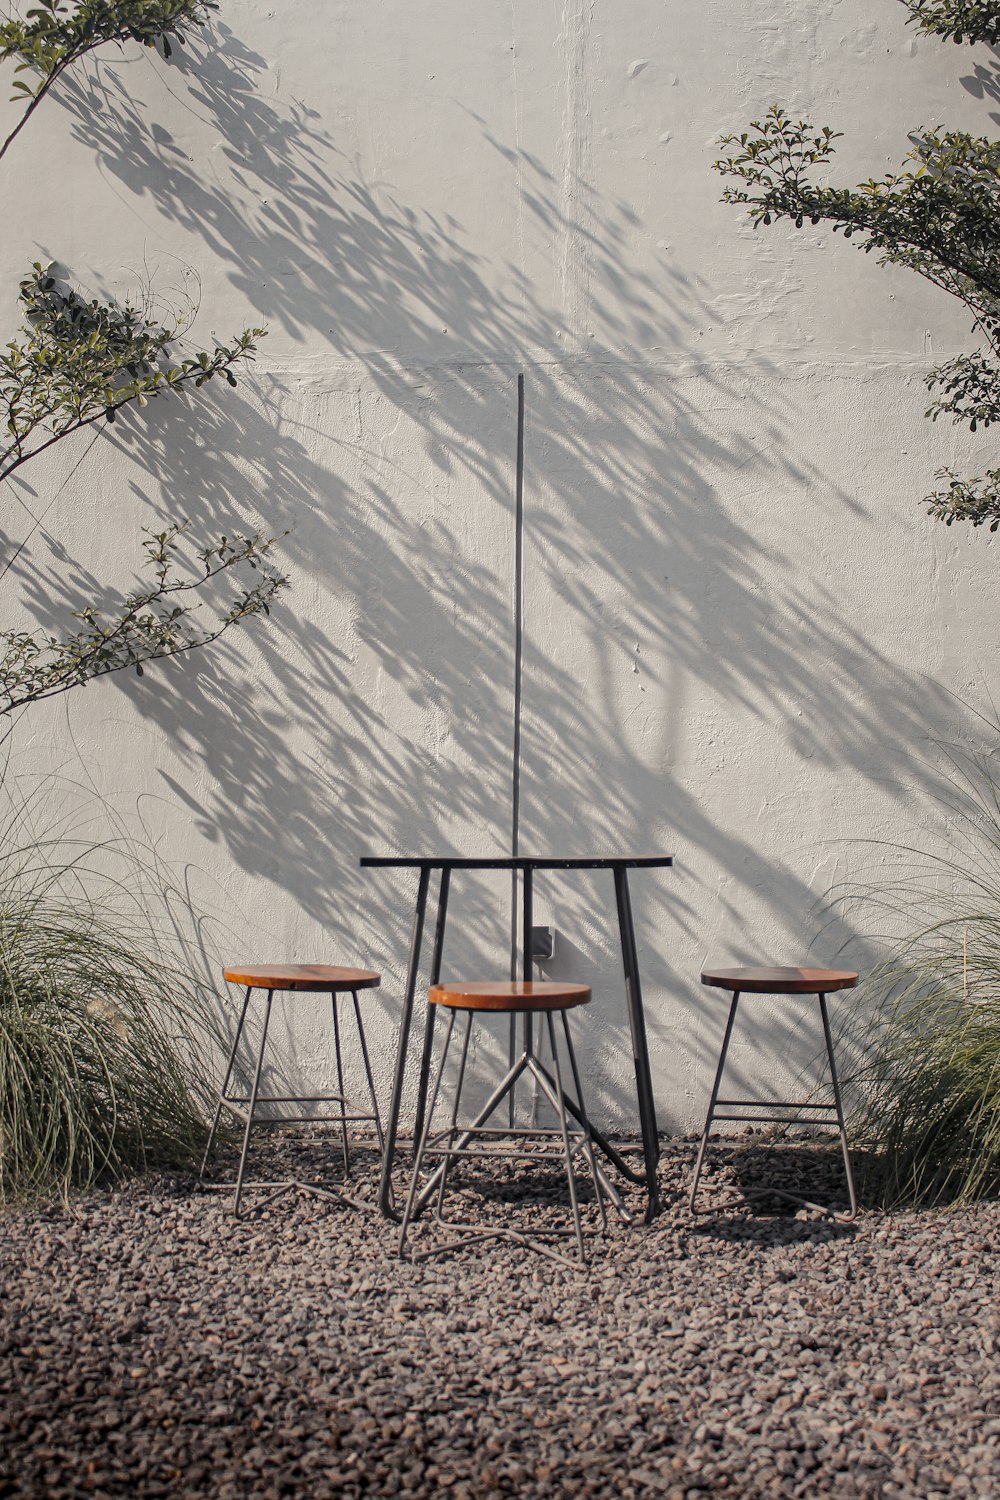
[[543, 944]]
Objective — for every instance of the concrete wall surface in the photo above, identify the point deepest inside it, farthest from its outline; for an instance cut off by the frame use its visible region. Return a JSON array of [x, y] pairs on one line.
[[742, 634]]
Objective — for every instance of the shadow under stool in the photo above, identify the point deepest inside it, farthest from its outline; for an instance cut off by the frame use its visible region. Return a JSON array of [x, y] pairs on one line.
[[296, 979], [791, 982], [568, 1139]]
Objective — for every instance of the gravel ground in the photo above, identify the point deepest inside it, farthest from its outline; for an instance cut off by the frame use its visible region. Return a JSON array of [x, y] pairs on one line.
[[151, 1345]]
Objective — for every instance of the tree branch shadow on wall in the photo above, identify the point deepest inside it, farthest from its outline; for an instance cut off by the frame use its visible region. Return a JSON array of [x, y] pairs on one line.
[[629, 532]]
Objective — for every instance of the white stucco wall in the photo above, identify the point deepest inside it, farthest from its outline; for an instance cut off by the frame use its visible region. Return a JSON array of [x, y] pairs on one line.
[[740, 627]]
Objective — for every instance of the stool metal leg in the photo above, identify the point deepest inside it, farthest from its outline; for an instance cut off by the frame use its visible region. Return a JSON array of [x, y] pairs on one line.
[[225, 1084], [431, 1014], [340, 1083], [411, 1197], [252, 1105], [368, 1071], [715, 1094], [453, 1125], [840, 1108], [588, 1145], [577, 1226], [548, 1086], [467, 1132]]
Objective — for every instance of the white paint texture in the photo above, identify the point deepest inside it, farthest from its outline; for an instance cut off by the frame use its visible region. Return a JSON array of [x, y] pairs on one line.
[[740, 627]]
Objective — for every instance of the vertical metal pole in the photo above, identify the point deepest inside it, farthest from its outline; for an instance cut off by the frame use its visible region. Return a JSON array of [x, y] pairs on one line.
[[518, 618], [515, 827], [640, 1050], [395, 1102], [436, 960]]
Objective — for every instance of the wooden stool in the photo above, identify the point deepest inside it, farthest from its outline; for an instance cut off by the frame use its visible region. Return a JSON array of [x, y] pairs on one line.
[[780, 981], [528, 998], [296, 979]]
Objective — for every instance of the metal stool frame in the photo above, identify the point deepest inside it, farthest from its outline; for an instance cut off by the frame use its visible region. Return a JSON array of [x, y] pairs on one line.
[[453, 1144], [244, 1106], [823, 1112]]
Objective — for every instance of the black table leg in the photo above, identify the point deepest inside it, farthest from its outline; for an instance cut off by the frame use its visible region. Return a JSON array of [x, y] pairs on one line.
[[526, 970], [425, 1056], [640, 1050], [395, 1103], [512, 1022]]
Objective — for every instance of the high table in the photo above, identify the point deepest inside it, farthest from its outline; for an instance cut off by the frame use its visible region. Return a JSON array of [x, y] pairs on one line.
[[526, 865]]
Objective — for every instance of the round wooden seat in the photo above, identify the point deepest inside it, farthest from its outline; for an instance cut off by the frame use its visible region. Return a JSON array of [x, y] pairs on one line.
[[780, 981], [516, 995], [315, 978]]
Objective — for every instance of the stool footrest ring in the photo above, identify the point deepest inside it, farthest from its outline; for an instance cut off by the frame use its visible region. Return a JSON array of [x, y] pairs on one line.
[[294, 1099], [288, 1185], [772, 1104], [772, 1119], [262, 1121]]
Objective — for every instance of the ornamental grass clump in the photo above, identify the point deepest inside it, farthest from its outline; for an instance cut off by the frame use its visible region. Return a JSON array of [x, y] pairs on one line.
[[932, 1115], [95, 1032], [929, 1075]]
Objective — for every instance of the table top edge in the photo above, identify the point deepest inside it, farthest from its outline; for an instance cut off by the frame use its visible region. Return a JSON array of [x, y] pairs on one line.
[[517, 861]]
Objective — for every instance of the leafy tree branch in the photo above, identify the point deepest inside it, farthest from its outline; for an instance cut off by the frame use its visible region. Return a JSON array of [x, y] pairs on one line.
[[149, 624], [79, 361], [976, 501], [957, 20], [55, 34], [939, 216]]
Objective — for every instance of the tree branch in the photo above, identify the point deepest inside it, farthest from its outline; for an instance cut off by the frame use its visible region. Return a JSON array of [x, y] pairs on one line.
[[35, 102], [35, 669]]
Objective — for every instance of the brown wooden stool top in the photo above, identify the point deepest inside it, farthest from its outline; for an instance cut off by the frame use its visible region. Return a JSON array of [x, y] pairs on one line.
[[513, 995], [781, 981], [315, 978]]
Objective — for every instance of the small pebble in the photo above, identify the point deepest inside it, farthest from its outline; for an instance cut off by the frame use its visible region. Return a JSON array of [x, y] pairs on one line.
[[151, 1345]]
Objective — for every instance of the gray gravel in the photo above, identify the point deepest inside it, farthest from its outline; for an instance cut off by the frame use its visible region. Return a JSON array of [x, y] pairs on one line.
[[151, 1345]]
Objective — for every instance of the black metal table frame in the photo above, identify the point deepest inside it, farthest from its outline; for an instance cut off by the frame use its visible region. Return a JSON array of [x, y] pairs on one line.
[[526, 865]]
